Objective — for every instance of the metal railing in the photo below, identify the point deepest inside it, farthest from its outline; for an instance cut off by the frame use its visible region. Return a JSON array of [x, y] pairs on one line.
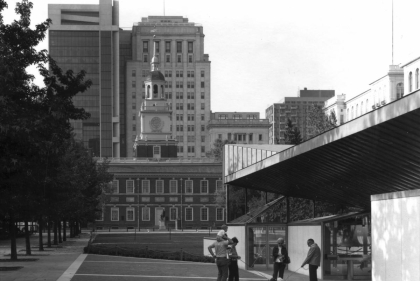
[[156, 160]]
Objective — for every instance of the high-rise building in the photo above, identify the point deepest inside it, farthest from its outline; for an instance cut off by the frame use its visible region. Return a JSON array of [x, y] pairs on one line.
[[295, 109], [118, 62], [179, 50], [86, 37]]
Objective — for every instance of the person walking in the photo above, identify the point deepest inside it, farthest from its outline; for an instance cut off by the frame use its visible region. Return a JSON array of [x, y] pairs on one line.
[[313, 259], [222, 262], [281, 257], [233, 264]]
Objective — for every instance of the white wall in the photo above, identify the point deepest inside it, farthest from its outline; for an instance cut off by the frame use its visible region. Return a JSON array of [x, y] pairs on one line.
[[233, 231], [298, 247], [396, 236]]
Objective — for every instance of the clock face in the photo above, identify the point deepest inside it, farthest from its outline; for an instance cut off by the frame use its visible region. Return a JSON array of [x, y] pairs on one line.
[[156, 124]]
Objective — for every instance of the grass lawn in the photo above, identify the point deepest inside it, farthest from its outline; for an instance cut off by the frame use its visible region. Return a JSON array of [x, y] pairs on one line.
[[189, 242]]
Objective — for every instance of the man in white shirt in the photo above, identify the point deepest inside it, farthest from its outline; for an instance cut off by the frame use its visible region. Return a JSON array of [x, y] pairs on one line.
[[222, 232]]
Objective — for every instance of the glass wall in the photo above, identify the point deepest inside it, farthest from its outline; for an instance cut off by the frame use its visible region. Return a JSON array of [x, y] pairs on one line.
[[261, 241], [347, 248]]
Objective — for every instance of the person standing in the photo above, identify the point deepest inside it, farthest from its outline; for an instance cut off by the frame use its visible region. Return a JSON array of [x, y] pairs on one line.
[[233, 265], [222, 233], [313, 259], [221, 256], [280, 256]]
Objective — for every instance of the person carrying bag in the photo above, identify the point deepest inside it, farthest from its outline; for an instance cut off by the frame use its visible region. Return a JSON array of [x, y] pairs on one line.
[[281, 259]]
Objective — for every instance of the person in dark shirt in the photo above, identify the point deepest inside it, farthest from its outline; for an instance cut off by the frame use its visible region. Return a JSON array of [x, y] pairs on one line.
[[280, 257], [233, 257]]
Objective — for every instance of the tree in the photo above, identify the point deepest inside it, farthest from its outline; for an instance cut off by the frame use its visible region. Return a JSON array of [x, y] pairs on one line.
[[34, 121], [319, 121], [217, 151], [292, 134]]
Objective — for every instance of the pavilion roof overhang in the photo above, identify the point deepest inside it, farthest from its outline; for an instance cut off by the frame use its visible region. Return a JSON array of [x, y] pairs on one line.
[[378, 152]]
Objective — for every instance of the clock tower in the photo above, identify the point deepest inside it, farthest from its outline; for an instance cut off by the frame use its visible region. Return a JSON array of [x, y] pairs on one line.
[[155, 140]]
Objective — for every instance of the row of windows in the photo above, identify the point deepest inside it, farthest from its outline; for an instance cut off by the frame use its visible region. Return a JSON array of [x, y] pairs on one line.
[[116, 199], [180, 95], [190, 117], [190, 149], [241, 136], [410, 81], [190, 106], [159, 185], [190, 46], [173, 214], [190, 138], [237, 116], [190, 128], [178, 84], [168, 58]]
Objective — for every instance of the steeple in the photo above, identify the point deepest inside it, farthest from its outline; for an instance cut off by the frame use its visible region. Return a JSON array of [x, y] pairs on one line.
[[155, 61]]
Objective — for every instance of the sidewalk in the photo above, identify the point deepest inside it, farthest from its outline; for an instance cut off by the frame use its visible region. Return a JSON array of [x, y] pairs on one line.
[[51, 263]]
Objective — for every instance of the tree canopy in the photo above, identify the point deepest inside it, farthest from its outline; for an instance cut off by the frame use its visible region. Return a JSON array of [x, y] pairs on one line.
[[217, 151]]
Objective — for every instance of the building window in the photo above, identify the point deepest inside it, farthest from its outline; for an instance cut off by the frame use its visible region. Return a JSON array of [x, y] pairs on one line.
[[203, 106], [173, 186], [145, 211], [250, 137], [167, 46], [191, 149], [168, 58], [190, 47], [115, 214], [410, 82], [191, 138], [188, 187], [204, 186], [134, 128], [202, 84], [188, 214], [159, 186], [133, 73], [417, 78], [203, 139], [203, 149], [115, 187], [219, 136], [260, 137], [202, 73], [129, 199], [180, 138], [189, 199], [179, 58], [157, 47], [133, 84], [220, 214], [159, 199], [202, 95], [204, 214], [179, 47], [173, 214], [219, 186], [156, 151], [173, 199], [145, 58], [130, 214], [180, 149], [400, 90], [114, 199], [145, 199], [190, 58], [145, 186], [179, 128], [130, 186], [203, 128], [145, 46], [202, 117]]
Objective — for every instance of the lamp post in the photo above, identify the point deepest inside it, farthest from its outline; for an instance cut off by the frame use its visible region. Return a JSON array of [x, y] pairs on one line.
[[138, 204], [181, 203]]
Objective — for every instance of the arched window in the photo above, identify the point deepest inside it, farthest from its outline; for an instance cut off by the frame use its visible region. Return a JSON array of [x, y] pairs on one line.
[[357, 110], [400, 90], [162, 95], [417, 78], [410, 82], [361, 108], [367, 105], [155, 91], [352, 113], [148, 91]]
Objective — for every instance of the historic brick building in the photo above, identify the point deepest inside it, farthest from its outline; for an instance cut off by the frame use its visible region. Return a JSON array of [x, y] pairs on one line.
[[182, 191]]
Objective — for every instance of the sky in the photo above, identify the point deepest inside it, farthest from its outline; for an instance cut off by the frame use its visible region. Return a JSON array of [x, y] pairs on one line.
[[262, 51]]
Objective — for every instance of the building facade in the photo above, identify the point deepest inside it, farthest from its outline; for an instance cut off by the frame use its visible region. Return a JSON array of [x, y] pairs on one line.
[[184, 195], [180, 52], [411, 76], [241, 127], [295, 109], [86, 37]]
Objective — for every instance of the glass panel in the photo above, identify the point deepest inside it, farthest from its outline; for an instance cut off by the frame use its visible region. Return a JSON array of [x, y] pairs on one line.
[[257, 248], [347, 250], [274, 233]]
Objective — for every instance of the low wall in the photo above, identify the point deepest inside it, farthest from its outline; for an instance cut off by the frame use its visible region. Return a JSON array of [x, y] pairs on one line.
[[298, 248], [395, 236], [233, 231]]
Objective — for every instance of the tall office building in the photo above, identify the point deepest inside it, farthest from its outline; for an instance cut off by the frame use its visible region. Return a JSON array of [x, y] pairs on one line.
[[118, 61], [295, 109], [179, 49], [86, 37]]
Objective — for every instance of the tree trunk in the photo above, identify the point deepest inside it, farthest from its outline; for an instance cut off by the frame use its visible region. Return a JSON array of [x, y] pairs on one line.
[[12, 227], [64, 230], [49, 235], [59, 232], [27, 240], [40, 226], [55, 233], [71, 229]]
